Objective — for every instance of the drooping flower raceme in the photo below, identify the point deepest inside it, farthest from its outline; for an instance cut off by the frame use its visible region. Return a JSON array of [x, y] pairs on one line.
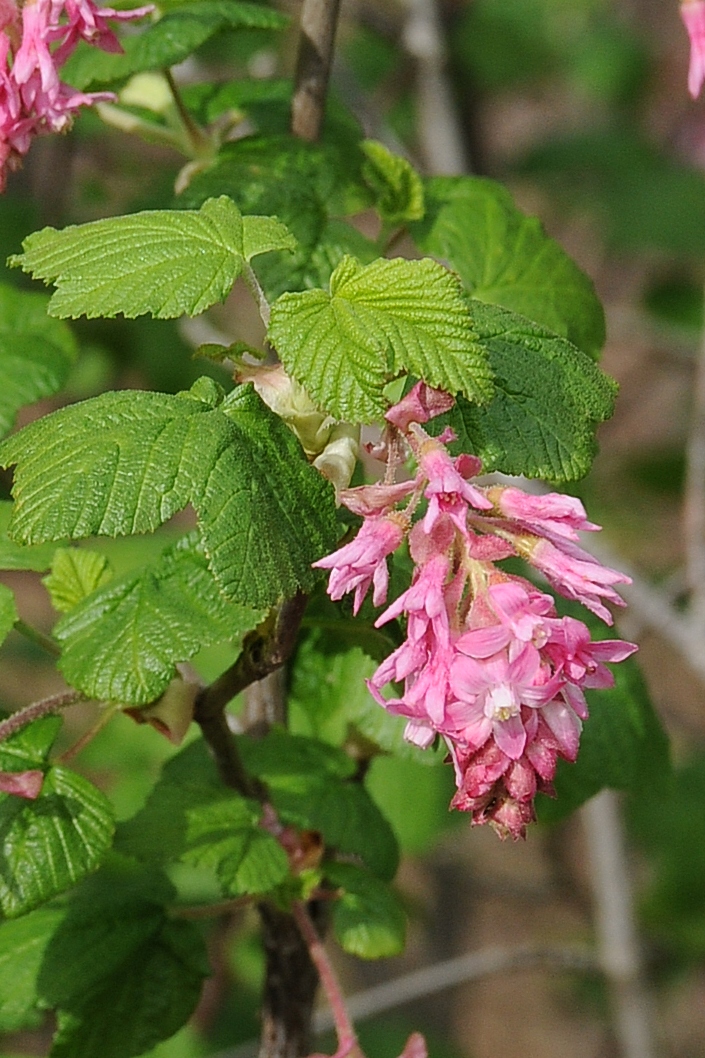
[[35, 41], [487, 663], [693, 15]]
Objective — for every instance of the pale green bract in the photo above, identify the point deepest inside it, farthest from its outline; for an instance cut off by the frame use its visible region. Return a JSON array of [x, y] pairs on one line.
[[377, 322], [398, 188], [125, 462], [165, 262]]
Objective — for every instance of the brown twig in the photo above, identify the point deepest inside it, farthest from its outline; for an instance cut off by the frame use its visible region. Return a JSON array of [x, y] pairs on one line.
[[319, 19]]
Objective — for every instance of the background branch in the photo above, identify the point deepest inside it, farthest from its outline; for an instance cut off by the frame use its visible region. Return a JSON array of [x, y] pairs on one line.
[[319, 19]]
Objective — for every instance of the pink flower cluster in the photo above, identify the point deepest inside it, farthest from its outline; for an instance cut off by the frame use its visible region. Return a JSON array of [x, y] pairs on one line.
[[36, 39], [487, 663]]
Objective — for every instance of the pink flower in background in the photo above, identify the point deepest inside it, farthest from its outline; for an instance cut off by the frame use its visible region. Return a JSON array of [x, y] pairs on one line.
[[693, 15], [33, 99], [487, 664]]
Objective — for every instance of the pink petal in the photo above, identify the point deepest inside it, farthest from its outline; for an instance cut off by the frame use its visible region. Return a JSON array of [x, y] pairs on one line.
[[565, 725], [510, 736]]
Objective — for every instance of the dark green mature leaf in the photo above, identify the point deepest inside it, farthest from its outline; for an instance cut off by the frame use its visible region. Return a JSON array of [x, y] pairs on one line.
[[164, 262], [309, 787], [8, 611], [190, 816], [308, 186], [121, 972], [623, 745], [549, 397], [398, 189], [17, 556], [23, 943], [125, 462], [368, 918], [168, 41], [121, 643], [47, 845], [505, 258], [36, 353], [378, 321]]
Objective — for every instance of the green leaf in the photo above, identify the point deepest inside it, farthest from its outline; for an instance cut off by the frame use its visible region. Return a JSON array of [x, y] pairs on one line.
[[125, 462], [308, 787], [122, 642], [623, 745], [8, 611], [548, 399], [164, 262], [17, 556], [329, 700], [398, 189], [191, 817], [23, 943], [415, 800], [168, 41], [263, 235], [47, 845], [36, 353], [75, 573], [368, 918], [307, 186], [376, 322], [505, 258], [122, 973]]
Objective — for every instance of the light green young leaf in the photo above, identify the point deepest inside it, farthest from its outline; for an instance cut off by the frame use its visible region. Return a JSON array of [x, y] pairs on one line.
[[164, 262], [36, 353], [368, 918], [47, 845], [398, 189], [23, 943], [75, 573], [169, 41], [125, 462], [121, 972], [8, 611], [263, 235], [549, 397], [377, 321], [505, 258], [121, 643], [191, 817], [308, 786]]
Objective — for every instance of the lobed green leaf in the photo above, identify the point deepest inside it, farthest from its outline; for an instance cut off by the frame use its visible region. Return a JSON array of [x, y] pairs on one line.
[[549, 397], [164, 262], [191, 817], [18, 556], [49, 844], [123, 463], [368, 917], [36, 353], [505, 258], [378, 321], [122, 642]]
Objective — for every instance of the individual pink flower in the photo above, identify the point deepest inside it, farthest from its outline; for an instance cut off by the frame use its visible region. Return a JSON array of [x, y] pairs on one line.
[[579, 658], [577, 575], [419, 405], [693, 15], [363, 562], [551, 513]]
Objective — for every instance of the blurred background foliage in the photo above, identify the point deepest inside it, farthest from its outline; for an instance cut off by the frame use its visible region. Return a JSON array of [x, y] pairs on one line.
[[580, 106]]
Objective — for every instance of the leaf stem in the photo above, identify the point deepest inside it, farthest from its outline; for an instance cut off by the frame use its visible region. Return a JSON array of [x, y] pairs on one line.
[[347, 1040], [40, 638], [197, 138], [88, 736], [54, 704], [255, 288], [196, 912], [319, 19]]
